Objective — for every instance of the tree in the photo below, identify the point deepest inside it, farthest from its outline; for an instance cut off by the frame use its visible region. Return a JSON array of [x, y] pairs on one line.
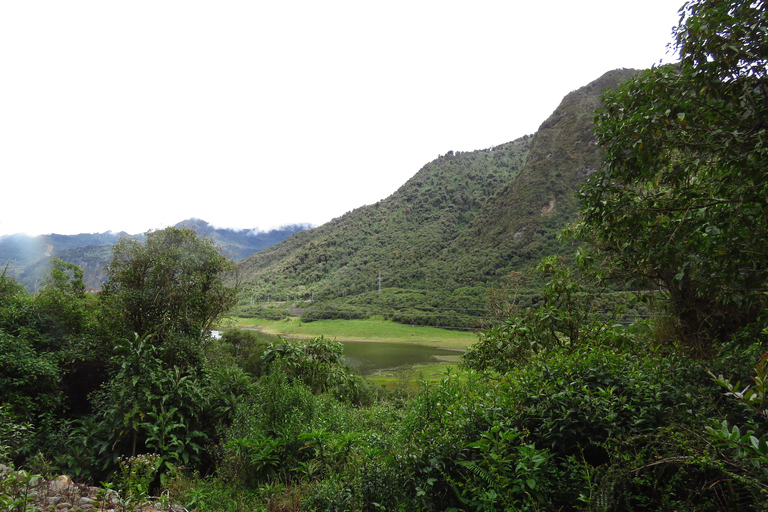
[[680, 200], [63, 303], [173, 284]]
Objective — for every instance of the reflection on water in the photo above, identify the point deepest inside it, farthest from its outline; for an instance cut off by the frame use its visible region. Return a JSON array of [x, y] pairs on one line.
[[371, 357]]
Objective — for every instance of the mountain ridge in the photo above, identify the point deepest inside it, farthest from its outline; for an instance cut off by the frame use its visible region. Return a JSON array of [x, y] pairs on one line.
[[465, 219]]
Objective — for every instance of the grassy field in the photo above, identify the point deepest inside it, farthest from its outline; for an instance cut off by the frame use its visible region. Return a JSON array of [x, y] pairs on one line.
[[373, 329]]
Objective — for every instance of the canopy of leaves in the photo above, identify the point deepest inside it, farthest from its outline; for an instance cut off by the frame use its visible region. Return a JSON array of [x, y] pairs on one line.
[[680, 201]]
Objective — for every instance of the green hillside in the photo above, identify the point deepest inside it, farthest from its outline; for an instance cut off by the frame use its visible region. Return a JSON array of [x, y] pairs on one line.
[[519, 224], [460, 225], [395, 238]]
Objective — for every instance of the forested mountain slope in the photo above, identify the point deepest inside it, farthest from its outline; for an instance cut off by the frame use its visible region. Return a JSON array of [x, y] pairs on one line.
[[465, 219], [519, 225], [395, 238]]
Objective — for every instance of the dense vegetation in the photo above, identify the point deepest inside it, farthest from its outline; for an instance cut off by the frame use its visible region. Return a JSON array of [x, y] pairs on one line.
[[557, 407]]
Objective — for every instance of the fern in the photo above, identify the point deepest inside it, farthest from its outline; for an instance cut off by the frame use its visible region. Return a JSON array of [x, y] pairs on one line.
[[476, 470]]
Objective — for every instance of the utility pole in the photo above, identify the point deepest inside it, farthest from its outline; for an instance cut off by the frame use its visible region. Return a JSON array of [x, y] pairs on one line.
[[379, 281]]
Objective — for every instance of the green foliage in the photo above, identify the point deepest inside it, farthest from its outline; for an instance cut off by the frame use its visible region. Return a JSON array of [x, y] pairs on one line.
[[17, 491], [30, 379], [461, 308], [8, 286], [746, 448], [14, 435], [329, 311], [270, 313], [571, 401], [505, 473], [679, 202], [212, 493], [136, 474], [171, 285], [318, 363], [263, 440], [564, 320], [146, 407], [240, 347]]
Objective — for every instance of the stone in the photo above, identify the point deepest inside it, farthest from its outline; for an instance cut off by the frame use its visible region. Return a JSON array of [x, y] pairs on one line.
[[60, 484], [52, 501]]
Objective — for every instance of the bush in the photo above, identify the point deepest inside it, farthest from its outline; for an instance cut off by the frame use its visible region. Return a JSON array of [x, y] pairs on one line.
[[318, 363], [329, 311], [241, 347], [270, 313]]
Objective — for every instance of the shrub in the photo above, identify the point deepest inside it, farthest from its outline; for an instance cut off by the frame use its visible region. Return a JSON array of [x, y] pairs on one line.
[[241, 347], [330, 311], [318, 363]]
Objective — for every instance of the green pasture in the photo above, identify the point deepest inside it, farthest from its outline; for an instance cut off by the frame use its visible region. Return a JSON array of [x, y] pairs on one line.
[[373, 329]]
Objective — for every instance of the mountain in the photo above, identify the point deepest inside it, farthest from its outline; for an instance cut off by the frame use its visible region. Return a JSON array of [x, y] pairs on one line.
[[461, 223], [28, 258], [519, 224], [237, 244], [396, 237]]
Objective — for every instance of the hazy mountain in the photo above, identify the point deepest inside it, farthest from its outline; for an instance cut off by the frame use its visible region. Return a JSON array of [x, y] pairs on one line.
[[241, 243], [464, 220], [28, 258]]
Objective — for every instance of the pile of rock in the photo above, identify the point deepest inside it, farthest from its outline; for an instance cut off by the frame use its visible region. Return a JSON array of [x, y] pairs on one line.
[[63, 495]]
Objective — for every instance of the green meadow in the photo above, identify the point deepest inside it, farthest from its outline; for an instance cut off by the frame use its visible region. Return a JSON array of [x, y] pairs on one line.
[[372, 329]]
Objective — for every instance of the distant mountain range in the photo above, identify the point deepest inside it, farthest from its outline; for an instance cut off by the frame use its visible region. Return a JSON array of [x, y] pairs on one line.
[[28, 258]]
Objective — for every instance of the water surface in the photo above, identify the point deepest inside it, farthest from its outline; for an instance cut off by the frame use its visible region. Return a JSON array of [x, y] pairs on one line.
[[370, 357]]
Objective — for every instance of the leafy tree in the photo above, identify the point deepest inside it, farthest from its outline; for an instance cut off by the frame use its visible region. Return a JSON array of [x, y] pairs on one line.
[[680, 201], [172, 284]]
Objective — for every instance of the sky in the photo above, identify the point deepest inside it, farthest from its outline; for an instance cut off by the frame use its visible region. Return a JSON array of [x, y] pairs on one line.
[[133, 116]]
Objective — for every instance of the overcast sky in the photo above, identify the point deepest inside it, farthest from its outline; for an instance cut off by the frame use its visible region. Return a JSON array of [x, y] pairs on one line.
[[135, 115]]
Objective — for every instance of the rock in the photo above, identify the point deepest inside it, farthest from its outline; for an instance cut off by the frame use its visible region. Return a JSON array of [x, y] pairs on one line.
[[85, 500], [52, 501], [58, 495], [60, 484]]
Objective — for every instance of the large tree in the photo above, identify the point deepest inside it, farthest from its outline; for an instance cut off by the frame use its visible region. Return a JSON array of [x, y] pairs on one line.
[[172, 284], [681, 201]]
